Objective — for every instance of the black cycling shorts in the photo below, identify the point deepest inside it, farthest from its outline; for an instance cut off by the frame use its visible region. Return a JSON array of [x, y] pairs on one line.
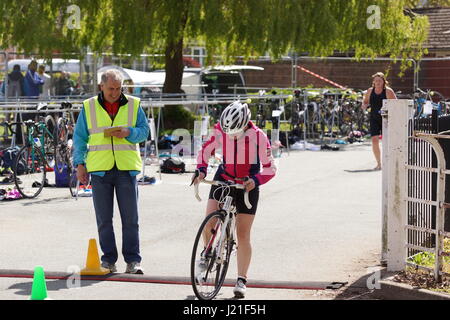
[[253, 197]]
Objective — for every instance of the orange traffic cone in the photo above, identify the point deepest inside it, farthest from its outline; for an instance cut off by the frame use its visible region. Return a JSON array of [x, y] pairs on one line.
[[93, 267]]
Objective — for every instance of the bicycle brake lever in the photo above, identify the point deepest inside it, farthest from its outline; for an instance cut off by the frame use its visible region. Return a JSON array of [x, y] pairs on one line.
[[247, 201], [246, 198], [197, 173]]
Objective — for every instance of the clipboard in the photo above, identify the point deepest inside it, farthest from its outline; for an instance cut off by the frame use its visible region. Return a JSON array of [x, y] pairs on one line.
[[107, 132]]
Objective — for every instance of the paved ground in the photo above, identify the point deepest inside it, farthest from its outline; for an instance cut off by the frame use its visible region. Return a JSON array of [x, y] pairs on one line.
[[318, 220]]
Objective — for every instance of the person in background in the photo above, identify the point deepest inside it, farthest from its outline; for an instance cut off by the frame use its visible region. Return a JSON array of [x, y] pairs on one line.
[[63, 85], [374, 99], [15, 82], [15, 86], [46, 87], [72, 85], [32, 81]]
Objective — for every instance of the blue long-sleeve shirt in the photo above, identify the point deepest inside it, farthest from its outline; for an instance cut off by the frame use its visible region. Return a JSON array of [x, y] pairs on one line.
[[81, 138], [31, 84]]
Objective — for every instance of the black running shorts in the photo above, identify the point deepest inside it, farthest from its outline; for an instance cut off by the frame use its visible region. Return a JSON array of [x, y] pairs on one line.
[[376, 125]]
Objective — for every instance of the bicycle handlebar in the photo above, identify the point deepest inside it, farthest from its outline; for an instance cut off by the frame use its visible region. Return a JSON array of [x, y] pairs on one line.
[[220, 183], [418, 90]]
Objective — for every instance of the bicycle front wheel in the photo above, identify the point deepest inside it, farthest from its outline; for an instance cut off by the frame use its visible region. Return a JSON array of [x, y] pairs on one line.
[[210, 257], [29, 171], [62, 152]]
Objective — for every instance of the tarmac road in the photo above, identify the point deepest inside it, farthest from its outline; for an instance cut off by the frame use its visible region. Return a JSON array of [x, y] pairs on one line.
[[318, 220]]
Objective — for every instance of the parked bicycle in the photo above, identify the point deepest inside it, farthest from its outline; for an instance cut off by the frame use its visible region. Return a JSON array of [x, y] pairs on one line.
[[426, 101], [63, 148], [34, 158], [260, 112], [215, 241]]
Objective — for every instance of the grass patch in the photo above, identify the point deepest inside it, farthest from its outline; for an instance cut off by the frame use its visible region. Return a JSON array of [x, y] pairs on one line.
[[427, 259]]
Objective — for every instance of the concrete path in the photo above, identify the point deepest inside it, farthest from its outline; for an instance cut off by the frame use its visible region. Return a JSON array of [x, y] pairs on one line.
[[318, 220]]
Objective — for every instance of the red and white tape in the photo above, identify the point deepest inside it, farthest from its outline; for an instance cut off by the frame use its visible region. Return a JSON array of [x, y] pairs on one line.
[[322, 78]]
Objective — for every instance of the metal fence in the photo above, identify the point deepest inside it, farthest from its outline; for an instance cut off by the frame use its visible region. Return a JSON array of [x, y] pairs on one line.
[[285, 72], [15, 110]]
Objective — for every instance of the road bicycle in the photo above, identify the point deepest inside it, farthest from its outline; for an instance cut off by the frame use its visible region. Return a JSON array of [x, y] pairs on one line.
[[63, 148], [260, 112], [330, 115], [426, 101], [313, 116], [36, 156], [29, 168], [215, 241]]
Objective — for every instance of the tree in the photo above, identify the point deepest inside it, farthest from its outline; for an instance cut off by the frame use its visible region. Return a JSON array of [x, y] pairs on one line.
[[226, 27]]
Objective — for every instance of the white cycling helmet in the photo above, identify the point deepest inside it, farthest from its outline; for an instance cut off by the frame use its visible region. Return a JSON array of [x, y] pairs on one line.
[[235, 118]]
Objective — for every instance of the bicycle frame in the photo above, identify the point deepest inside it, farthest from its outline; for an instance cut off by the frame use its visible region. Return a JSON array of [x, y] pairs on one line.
[[30, 142], [36, 130], [42, 131], [229, 218]]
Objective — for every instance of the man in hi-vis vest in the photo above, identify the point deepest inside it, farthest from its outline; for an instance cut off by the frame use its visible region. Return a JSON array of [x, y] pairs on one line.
[[109, 129]]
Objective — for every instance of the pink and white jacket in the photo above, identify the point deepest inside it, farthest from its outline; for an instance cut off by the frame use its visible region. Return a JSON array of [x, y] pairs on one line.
[[248, 156]]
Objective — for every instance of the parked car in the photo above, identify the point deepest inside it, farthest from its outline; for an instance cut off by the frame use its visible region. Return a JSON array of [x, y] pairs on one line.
[[225, 79]]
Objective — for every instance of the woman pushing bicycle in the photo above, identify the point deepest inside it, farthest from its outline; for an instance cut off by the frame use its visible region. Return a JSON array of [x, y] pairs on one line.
[[247, 160]]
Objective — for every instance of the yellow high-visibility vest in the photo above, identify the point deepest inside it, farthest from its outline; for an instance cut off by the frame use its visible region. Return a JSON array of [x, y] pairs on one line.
[[103, 151]]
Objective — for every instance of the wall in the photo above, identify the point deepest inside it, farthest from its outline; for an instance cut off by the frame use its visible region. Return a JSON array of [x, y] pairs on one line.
[[349, 74], [435, 75]]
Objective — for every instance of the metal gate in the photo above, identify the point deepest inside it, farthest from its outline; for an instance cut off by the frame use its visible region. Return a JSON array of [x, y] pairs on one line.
[[425, 201]]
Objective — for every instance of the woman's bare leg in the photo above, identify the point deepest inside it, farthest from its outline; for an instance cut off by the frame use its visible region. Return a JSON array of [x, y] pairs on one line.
[[376, 151], [244, 250]]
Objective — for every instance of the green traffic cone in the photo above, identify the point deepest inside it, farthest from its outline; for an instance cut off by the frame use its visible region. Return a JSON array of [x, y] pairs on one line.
[[39, 287]]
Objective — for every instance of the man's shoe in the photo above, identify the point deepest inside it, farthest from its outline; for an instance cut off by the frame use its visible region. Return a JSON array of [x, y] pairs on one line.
[[110, 266], [239, 289], [134, 268]]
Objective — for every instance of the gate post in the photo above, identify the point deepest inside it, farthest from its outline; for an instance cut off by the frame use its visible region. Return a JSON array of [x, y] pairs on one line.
[[384, 184], [394, 177]]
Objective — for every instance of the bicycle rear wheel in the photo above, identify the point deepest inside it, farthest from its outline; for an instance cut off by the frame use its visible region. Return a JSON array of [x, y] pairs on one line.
[[209, 264], [29, 171], [73, 181]]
